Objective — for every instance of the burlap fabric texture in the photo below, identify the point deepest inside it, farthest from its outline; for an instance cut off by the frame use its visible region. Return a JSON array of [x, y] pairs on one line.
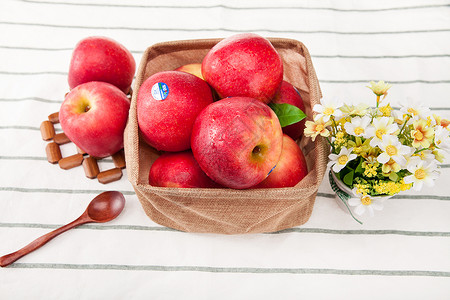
[[226, 211]]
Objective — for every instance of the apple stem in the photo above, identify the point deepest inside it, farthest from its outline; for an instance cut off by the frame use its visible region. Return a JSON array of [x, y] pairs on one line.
[[256, 150]]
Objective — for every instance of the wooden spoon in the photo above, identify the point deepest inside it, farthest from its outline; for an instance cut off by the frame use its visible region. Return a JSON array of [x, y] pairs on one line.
[[103, 208]]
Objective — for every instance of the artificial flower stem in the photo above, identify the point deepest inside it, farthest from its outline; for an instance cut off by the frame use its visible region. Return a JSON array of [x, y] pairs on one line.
[[335, 130], [420, 150], [331, 144], [378, 100], [404, 124]]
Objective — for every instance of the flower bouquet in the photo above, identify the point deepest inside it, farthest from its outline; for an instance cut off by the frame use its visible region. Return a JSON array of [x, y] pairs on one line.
[[377, 152]]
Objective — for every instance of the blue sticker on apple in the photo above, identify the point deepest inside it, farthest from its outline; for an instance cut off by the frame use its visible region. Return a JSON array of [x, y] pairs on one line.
[[160, 91], [271, 170]]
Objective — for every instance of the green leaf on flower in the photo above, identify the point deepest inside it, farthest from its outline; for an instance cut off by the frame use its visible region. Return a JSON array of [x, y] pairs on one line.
[[338, 175], [348, 178], [359, 169], [287, 114]]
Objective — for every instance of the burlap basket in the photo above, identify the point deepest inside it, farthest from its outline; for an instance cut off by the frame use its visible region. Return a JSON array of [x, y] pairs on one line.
[[226, 211]]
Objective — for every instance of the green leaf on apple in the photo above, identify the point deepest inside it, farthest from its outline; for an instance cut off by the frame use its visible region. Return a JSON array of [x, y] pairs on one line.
[[287, 114]]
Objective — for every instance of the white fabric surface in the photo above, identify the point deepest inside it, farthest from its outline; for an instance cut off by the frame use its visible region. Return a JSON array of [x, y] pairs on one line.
[[402, 253]]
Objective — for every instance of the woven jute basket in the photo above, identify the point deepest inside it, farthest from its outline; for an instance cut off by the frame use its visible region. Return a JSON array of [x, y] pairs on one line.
[[226, 211]]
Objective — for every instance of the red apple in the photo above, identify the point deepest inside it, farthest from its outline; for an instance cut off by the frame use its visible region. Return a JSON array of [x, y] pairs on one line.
[[179, 169], [93, 116], [101, 59], [237, 141], [290, 169], [289, 94], [167, 104], [194, 69], [244, 65]]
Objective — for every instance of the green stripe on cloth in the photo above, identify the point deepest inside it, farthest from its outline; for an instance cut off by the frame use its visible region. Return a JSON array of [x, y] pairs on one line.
[[222, 6], [223, 29], [58, 191], [290, 230], [248, 270], [68, 191]]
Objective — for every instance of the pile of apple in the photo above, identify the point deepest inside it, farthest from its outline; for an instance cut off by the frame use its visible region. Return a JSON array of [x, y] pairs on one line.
[[219, 123], [95, 111]]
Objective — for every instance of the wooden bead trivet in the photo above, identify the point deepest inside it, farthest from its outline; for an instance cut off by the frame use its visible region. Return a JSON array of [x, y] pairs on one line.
[[89, 163]]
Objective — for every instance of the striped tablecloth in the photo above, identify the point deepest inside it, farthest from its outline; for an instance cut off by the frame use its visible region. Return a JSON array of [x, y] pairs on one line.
[[402, 253]]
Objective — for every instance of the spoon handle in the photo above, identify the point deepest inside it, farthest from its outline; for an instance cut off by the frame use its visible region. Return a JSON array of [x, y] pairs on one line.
[[39, 242]]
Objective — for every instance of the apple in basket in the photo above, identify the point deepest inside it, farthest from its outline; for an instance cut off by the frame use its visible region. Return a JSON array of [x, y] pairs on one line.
[[93, 116], [101, 59], [289, 94], [179, 169], [194, 69], [244, 65], [290, 169], [168, 103], [237, 141]]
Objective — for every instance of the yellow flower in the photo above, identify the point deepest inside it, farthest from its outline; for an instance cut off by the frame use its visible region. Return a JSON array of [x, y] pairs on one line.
[[390, 166], [340, 140], [361, 188], [318, 127], [405, 186], [422, 135], [386, 110], [380, 88], [371, 155], [359, 147], [340, 143], [387, 187], [441, 122], [370, 170], [358, 110], [400, 121], [393, 188]]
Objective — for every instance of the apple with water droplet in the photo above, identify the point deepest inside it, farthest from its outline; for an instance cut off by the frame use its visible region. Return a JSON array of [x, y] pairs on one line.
[[168, 103], [245, 65], [98, 58], [290, 169], [237, 141], [179, 169], [93, 116]]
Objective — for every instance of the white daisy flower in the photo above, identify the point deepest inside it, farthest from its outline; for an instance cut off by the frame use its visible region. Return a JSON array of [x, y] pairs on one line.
[[392, 148], [327, 108], [339, 161], [365, 203], [426, 155], [422, 173], [358, 126], [381, 126], [414, 108], [442, 138]]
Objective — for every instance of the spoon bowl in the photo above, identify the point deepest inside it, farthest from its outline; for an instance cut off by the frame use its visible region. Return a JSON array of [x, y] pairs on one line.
[[106, 206], [103, 208]]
